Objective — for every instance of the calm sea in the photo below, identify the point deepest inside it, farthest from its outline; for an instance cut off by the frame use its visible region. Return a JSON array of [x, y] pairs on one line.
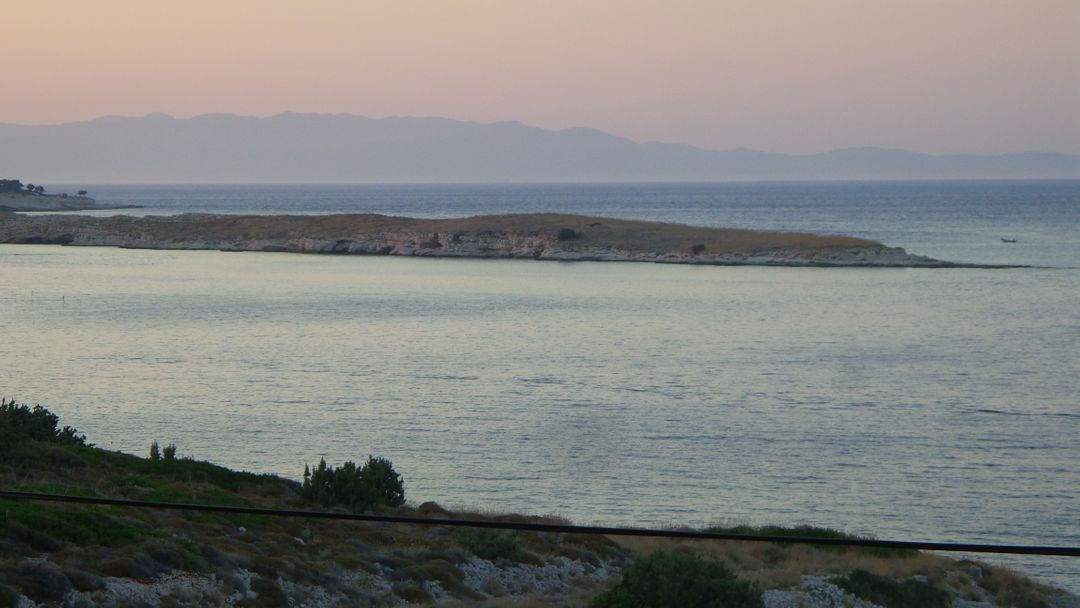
[[910, 404]]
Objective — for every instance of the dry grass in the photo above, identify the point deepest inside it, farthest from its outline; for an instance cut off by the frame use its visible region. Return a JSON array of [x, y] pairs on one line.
[[1011, 589], [782, 565], [623, 235]]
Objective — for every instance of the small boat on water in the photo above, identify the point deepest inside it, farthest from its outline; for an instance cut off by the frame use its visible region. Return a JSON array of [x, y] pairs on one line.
[[1005, 240]]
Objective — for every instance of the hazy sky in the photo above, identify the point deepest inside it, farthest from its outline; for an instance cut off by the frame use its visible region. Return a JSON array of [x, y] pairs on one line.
[[983, 76]]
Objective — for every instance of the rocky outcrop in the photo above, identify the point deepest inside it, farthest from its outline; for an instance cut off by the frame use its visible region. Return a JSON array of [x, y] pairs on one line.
[[537, 237], [481, 578]]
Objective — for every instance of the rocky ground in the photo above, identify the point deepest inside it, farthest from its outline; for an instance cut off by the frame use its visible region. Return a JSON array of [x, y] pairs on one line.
[[534, 236]]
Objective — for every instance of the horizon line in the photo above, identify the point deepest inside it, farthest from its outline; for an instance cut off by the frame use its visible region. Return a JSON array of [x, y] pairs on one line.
[[703, 182]]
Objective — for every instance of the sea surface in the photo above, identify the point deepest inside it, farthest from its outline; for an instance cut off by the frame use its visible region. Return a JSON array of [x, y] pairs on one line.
[[910, 404]]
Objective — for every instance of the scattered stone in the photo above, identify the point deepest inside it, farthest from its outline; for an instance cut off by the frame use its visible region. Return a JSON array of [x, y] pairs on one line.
[[561, 574], [813, 592]]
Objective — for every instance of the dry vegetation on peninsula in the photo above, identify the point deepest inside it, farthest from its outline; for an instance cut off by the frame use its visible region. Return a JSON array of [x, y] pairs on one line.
[[525, 236]]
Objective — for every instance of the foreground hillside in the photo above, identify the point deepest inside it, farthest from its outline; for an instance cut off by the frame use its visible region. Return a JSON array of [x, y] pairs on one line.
[[59, 554], [528, 236]]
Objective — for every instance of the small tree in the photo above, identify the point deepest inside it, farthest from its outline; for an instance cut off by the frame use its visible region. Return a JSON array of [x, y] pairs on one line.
[[383, 482], [39, 189], [169, 453], [36, 424], [31, 188], [81, 193], [356, 488], [155, 451]]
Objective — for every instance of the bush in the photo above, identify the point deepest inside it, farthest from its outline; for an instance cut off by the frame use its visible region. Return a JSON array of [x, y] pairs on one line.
[[84, 581], [18, 421], [47, 527], [42, 581], [890, 593], [696, 249], [568, 234], [663, 580], [358, 489], [1011, 589], [411, 592], [169, 453], [155, 451], [489, 544]]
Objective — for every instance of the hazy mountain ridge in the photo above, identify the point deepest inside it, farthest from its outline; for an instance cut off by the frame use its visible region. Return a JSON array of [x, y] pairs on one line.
[[293, 147]]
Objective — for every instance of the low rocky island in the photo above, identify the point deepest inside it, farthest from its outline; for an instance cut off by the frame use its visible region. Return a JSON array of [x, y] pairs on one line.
[[542, 236]]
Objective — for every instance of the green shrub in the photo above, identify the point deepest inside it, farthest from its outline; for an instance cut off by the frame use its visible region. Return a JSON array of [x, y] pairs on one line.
[[80, 527], [157, 453], [357, 488], [20, 422], [186, 470], [890, 593], [489, 544], [667, 580]]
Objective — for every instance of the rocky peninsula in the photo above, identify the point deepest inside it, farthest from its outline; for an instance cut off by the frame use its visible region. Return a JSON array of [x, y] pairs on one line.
[[524, 236], [32, 201]]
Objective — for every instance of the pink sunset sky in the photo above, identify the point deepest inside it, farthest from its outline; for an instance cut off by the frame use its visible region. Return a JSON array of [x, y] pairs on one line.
[[941, 76]]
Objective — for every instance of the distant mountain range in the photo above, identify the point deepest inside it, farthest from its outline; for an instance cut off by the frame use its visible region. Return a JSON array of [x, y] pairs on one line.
[[290, 147]]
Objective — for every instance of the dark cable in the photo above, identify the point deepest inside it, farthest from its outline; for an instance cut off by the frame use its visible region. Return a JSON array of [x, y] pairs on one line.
[[557, 528]]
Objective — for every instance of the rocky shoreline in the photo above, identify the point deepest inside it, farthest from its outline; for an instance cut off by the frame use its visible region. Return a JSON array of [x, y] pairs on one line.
[[534, 236], [28, 202]]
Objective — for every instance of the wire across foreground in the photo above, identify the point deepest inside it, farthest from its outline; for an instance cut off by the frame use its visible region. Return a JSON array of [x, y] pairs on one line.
[[556, 528]]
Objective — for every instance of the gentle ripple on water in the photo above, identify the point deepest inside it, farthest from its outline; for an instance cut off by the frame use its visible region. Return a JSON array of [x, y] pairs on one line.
[[915, 404]]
